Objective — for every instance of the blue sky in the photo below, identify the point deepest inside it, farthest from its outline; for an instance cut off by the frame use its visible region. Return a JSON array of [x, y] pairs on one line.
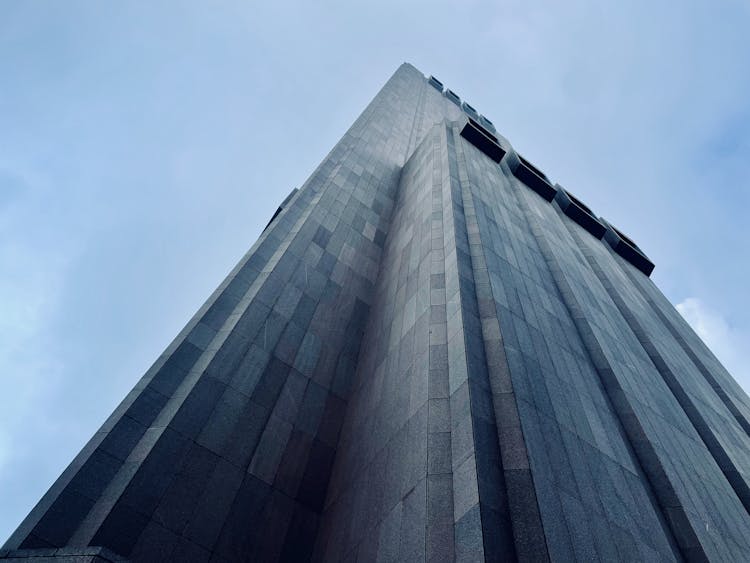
[[144, 146]]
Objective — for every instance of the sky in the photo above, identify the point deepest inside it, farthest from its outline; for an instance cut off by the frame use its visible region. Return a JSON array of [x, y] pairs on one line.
[[145, 145]]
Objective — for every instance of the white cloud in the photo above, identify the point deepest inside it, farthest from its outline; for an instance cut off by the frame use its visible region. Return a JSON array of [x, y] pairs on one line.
[[724, 340]]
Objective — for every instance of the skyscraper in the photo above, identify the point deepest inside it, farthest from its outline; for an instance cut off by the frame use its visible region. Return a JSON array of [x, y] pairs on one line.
[[431, 353]]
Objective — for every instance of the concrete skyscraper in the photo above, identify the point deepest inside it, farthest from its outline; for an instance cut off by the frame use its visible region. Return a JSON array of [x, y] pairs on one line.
[[431, 353]]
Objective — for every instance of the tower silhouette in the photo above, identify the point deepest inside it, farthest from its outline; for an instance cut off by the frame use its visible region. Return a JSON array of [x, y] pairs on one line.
[[431, 353]]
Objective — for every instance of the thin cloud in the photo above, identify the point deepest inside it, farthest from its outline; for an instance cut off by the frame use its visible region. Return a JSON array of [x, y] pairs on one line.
[[724, 340]]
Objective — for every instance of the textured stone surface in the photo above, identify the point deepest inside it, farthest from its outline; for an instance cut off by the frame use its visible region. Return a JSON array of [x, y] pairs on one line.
[[421, 359]]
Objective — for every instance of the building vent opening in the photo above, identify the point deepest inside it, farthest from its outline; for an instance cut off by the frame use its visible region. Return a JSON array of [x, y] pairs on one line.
[[483, 140]]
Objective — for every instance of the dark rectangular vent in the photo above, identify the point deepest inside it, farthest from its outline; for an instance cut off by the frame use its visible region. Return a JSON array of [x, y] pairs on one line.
[[470, 110], [436, 83], [487, 123], [281, 207], [577, 201], [288, 198], [531, 176], [580, 213], [483, 130], [626, 248], [452, 96], [533, 168], [483, 140]]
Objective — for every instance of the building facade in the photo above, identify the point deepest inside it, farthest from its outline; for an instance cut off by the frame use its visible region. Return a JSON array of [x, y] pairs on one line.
[[432, 353]]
